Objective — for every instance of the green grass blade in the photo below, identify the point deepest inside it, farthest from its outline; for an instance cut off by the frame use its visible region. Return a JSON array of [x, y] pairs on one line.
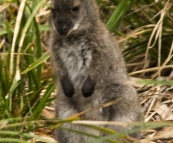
[[118, 15], [37, 62]]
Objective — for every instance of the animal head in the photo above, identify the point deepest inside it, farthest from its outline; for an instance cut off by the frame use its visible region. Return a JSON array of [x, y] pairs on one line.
[[73, 16]]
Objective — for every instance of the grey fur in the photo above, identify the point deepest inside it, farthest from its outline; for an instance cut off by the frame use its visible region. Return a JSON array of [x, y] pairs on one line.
[[90, 70]]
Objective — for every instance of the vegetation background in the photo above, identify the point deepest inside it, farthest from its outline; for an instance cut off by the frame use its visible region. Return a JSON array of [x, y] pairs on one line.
[[144, 30]]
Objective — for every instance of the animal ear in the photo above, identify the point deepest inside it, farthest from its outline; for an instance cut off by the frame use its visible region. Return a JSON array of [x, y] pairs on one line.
[[88, 87], [67, 86]]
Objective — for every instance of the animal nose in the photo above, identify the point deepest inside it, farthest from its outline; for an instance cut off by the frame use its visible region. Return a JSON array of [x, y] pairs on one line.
[[62, 29]]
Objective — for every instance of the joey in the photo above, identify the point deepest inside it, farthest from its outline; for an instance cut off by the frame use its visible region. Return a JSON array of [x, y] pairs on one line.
[[90, 71]]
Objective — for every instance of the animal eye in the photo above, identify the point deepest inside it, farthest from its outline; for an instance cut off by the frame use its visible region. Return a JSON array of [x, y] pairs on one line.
[[76, 8]]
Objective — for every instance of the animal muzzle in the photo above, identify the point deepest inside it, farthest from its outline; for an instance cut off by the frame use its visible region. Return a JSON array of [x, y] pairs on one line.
[[63, 29]]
